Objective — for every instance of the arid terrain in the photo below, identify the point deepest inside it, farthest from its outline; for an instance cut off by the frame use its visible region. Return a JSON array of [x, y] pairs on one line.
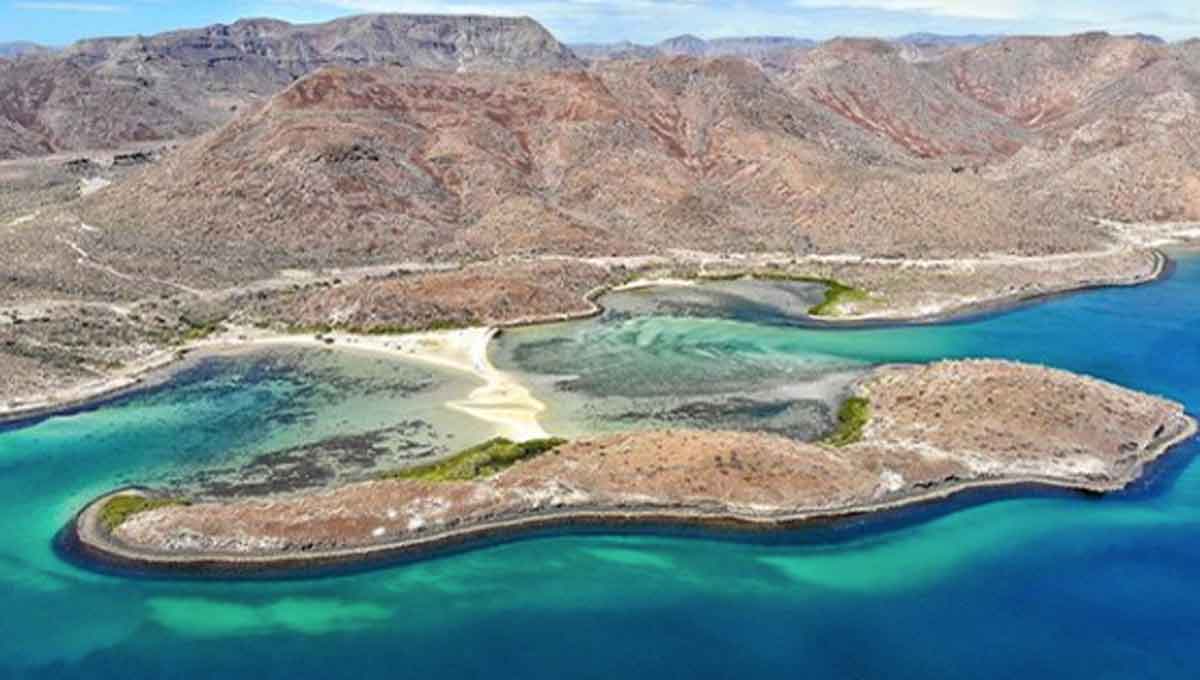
[[406, 172], [932, 431], [185, 82]]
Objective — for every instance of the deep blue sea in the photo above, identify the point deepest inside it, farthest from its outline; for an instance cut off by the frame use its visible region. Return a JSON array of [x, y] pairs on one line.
[[1027, 585]]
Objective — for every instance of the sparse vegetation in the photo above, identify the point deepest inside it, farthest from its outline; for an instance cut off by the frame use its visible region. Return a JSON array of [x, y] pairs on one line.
[[197, 326], [120, 508], [836, 293], [199, 331], [322, 329], [483, 460], [309, 329], [852, 417], [395, 329]]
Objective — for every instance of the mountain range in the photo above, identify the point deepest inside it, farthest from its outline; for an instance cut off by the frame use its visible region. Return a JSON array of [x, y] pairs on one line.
[[377, 139], [12, 50], [110, 91], [754, 47]]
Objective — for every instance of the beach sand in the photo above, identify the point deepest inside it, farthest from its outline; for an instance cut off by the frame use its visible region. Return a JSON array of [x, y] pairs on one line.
[[501, 400]]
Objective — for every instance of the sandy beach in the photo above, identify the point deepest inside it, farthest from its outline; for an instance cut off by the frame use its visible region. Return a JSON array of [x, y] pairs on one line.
[[637, 284], [501, 400]]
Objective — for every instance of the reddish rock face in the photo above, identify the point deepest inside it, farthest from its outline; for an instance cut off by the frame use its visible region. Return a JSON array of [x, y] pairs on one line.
[[1030, 108], [853, 146], [877, 86], [933, 430], [634, 157], [107, 92], [1035, 81]]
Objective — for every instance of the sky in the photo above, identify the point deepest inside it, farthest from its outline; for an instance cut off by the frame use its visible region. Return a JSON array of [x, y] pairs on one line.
[[56, 22]]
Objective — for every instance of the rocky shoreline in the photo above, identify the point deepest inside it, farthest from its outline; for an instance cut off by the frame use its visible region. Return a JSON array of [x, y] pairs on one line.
[[92, 544], [1161, 268], [920, 446]]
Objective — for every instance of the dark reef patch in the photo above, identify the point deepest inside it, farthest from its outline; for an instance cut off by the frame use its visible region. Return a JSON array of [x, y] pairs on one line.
[[337, 459]]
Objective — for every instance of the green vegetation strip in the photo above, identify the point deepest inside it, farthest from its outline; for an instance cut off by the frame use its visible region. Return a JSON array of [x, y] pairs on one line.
[[199, 332], [483, 460], [120, 508], [836, 293], [852, 417]]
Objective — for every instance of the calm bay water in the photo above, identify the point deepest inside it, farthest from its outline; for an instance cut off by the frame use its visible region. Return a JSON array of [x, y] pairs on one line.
[[1048, 585]]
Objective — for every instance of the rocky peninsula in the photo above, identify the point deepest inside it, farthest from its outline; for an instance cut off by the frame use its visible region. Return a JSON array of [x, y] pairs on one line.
[[909, 434]]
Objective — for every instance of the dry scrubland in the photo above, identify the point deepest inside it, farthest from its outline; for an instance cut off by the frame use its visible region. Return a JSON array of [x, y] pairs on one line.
[[490, 294], [931, 430], [632, 159]]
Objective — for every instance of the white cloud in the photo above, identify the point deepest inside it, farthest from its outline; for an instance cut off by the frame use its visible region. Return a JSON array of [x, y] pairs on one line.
[[69, 7], [1000, 10], [652, 20], [558, 8]]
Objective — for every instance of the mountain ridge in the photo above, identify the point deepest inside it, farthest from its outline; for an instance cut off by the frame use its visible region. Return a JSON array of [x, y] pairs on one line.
[[386, 164], [21, 48], [181, 83]]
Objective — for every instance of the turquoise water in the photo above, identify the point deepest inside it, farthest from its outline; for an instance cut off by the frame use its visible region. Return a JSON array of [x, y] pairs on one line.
[[1043, 585], [714, 356]]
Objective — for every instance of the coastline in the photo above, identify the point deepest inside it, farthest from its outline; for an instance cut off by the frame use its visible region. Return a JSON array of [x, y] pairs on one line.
[[97, 546], [161, 363], [500, 401], [952, 311], [157, 366], [1163, 266]]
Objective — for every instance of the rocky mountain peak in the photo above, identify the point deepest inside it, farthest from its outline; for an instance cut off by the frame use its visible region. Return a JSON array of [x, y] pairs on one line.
[[186, 82], [685, 45]]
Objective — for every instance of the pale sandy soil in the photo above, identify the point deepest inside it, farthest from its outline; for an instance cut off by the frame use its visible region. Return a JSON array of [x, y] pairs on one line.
[[91, 185], [1153, 234], [501, 400], [129, 375], [637, 284], [24, 219], [917, 289]]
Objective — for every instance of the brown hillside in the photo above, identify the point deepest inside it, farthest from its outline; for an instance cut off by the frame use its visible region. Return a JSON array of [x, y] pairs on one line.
[[354, 166]]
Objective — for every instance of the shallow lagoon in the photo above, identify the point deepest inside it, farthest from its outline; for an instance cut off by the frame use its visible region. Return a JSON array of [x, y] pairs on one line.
[[1045, 585], [683, 356]]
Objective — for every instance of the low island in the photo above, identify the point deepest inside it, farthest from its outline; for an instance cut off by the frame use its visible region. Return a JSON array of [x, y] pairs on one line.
[[908, 434]]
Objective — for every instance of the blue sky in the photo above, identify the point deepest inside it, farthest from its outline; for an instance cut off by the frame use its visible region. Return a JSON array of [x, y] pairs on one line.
[[63, 21]]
